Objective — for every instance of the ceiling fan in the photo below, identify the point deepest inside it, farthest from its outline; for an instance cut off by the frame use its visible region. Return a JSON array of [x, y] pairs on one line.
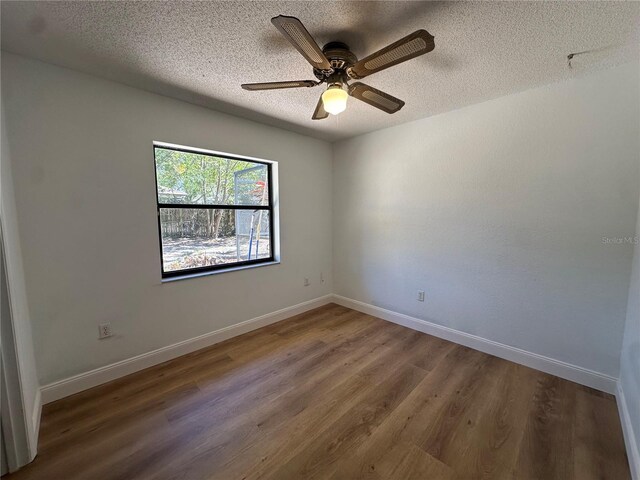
[[335, 65]]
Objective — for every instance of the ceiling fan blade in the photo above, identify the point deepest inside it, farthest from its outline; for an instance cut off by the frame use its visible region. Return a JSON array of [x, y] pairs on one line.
[[375, 97], [294, 30], [413, 45], [278, 85], [319, 112]]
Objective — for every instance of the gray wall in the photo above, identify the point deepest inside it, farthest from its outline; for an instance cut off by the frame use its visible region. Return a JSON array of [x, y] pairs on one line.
[[498, 211], [85, 195]]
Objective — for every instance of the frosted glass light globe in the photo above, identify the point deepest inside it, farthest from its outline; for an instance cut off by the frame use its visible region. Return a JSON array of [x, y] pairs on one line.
[[334, 100]]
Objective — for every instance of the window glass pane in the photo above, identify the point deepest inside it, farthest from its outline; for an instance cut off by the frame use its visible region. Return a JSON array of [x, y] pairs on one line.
[[194, 238], [196, 178]]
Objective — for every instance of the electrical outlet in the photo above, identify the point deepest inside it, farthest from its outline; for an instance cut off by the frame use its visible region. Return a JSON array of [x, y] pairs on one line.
[[321, 277], [104, 330], [421, 295], [306, 282]]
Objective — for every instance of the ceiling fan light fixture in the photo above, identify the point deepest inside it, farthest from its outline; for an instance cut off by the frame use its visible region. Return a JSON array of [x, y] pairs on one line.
[[334, 99], [335, 64]]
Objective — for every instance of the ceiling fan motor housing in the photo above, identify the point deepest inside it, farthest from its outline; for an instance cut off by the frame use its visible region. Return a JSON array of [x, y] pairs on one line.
[[340, 58]]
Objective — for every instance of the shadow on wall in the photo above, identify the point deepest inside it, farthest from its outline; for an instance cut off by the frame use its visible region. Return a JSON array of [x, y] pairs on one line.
[[140, 80]]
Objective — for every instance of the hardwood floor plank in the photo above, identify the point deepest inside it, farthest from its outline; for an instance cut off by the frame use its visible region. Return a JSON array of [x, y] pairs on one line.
[[350, 429], [495, 428], [547, 445], [308, 382], [598, 444], [414, 416], [409, 462], [332, 394], [295, 405]]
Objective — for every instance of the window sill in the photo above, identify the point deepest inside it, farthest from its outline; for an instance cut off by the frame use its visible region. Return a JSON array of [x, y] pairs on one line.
[[187, 276]]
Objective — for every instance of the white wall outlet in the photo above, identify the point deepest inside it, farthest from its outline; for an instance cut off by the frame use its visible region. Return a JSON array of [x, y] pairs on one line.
[[104, 330], [306, 282], [421, 295], [321, 277]]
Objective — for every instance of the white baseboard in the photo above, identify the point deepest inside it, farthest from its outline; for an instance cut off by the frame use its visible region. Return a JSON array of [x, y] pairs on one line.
[[77, 383], [98, 376], [577, 374], [633, 449]]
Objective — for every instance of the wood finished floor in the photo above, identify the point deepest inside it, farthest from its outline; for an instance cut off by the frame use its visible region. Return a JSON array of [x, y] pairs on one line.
[[338, 395]]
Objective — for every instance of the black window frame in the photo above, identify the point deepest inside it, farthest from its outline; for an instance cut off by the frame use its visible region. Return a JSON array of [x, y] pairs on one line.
[[268, 208]]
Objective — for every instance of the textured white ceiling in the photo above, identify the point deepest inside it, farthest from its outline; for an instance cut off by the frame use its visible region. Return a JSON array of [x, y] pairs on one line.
[[202, 51]]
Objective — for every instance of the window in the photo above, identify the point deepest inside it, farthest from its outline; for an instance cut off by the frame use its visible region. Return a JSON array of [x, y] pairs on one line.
[[215, 211]]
